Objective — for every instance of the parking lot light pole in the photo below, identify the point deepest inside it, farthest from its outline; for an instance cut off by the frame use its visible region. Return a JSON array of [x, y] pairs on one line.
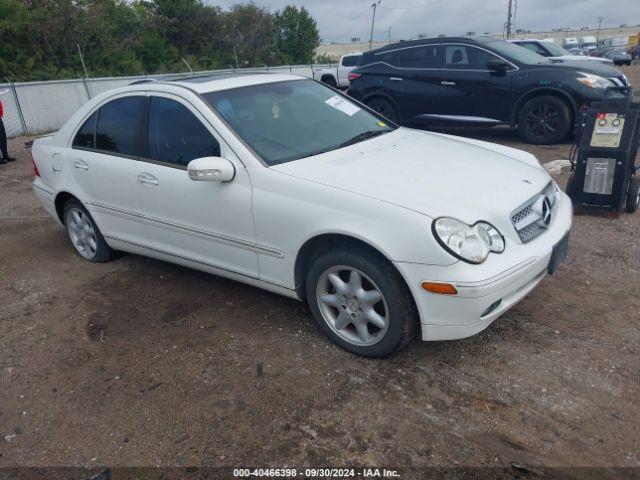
[[373, 20]]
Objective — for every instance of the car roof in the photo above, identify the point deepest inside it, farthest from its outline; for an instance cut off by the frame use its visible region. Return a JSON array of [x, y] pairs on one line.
[[429, 41], [226, 81]]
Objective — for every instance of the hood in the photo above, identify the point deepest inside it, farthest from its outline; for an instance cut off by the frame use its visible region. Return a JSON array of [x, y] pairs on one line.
[[430, 173], [606, 70], [582, 58]]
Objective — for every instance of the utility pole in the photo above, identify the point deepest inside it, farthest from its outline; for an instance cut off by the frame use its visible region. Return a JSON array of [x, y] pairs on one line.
[[509, 19], [389, 34], [373, 20], [598, 33]]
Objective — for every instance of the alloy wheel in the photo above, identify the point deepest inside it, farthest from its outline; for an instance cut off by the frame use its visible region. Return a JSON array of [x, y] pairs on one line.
[[543, 120], [82, 233], [352, 305]]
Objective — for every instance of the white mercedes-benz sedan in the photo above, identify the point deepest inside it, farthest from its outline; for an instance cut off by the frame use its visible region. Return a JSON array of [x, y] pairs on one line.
[[283, 183]]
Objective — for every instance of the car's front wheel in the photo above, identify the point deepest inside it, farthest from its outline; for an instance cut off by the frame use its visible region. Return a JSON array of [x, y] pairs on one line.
[[361, 302], [84, 233], [544, 120], [633, 195]]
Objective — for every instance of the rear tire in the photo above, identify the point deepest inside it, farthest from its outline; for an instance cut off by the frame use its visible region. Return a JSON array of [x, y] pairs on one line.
[[86, 238], [633, 195], [385, 108], [544, 120], [361, 302], [330, 81]]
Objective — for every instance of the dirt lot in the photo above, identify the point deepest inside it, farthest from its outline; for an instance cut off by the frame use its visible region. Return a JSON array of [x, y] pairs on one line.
[[142, 363]]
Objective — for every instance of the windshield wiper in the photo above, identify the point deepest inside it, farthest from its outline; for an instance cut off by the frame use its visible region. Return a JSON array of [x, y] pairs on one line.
[[362, 136], [355, 139]]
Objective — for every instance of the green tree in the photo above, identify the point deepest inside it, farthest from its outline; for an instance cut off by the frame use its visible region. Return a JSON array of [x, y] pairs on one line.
[[250, 30], [39, 39], [297, 35]]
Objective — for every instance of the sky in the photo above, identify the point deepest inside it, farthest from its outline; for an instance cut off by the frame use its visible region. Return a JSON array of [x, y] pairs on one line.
[[340, 20]]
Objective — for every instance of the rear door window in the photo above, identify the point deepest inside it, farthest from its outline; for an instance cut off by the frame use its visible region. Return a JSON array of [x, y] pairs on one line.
[[176, 135], [120, 126]]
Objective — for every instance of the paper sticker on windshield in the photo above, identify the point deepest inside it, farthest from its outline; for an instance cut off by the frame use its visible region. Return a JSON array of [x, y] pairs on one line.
[[381, 124], [342, 105]]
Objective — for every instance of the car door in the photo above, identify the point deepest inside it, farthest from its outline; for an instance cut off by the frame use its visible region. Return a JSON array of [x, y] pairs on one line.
[[470, 91], [206, 222], [415, 80], [102, 161]]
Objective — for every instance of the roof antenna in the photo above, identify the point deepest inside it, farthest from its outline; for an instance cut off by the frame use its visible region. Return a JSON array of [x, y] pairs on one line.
[[188, 66]]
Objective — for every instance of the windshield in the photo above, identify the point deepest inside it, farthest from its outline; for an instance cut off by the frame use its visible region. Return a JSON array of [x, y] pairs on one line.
[[555, 50], [514, 52], [285, 121]]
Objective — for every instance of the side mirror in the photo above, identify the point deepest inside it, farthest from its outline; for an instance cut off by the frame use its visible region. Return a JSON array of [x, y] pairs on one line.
[[211, 169], [497, 65]]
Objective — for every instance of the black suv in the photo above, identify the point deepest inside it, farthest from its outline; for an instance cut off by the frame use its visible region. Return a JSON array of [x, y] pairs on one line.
[[479, 81]]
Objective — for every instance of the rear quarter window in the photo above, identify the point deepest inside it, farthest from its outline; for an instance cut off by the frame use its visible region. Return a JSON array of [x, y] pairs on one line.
[[85, 136], [351, 61]]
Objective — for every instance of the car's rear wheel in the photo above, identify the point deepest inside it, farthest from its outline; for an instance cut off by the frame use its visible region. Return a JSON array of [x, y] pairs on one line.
[[329, 80], [385, 108], [544, 120], [84, 233], [361, 302]]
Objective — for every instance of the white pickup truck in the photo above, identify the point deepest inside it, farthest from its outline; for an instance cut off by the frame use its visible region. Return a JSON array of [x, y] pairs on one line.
[[337, 77]]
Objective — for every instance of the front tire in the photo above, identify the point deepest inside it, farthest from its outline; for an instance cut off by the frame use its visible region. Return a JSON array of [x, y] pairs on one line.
[[86, 238], [544, 120], [361, 302], [385, 108]]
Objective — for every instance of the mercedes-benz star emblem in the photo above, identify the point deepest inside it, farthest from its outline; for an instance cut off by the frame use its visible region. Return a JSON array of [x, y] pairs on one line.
[[542, 207]]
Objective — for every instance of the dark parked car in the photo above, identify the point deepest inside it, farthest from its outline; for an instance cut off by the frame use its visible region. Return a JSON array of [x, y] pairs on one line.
[[618, 56], [479, 81]]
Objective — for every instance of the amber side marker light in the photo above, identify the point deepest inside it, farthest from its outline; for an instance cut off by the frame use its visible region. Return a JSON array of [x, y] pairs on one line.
[[441, 288]]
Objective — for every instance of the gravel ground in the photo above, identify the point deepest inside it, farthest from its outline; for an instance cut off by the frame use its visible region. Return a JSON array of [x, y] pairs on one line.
[[143, 363]]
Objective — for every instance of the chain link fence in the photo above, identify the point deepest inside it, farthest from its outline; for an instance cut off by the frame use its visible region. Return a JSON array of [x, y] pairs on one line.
[[38, 107]]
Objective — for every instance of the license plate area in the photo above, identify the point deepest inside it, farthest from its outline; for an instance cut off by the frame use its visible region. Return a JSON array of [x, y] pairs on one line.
[[558, 254]]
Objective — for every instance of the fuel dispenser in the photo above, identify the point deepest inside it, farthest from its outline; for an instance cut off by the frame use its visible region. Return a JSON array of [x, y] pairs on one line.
[[603, 160]]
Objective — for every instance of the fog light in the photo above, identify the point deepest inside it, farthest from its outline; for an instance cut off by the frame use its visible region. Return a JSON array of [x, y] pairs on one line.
[[441, 288], [491, 308]]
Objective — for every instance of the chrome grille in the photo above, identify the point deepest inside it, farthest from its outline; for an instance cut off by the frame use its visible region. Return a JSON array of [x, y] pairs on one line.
[[621, 81], [528, 218]]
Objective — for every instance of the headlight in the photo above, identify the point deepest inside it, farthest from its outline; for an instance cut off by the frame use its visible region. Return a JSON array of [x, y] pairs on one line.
[[471, 243], [594, 81]]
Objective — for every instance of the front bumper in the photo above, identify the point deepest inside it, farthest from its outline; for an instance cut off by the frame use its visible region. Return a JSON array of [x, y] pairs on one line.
[[505, 278]]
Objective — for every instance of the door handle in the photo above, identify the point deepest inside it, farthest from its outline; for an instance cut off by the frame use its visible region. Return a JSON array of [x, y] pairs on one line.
[[148, 179], [395, 79], [444, 82], [80, 164]]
